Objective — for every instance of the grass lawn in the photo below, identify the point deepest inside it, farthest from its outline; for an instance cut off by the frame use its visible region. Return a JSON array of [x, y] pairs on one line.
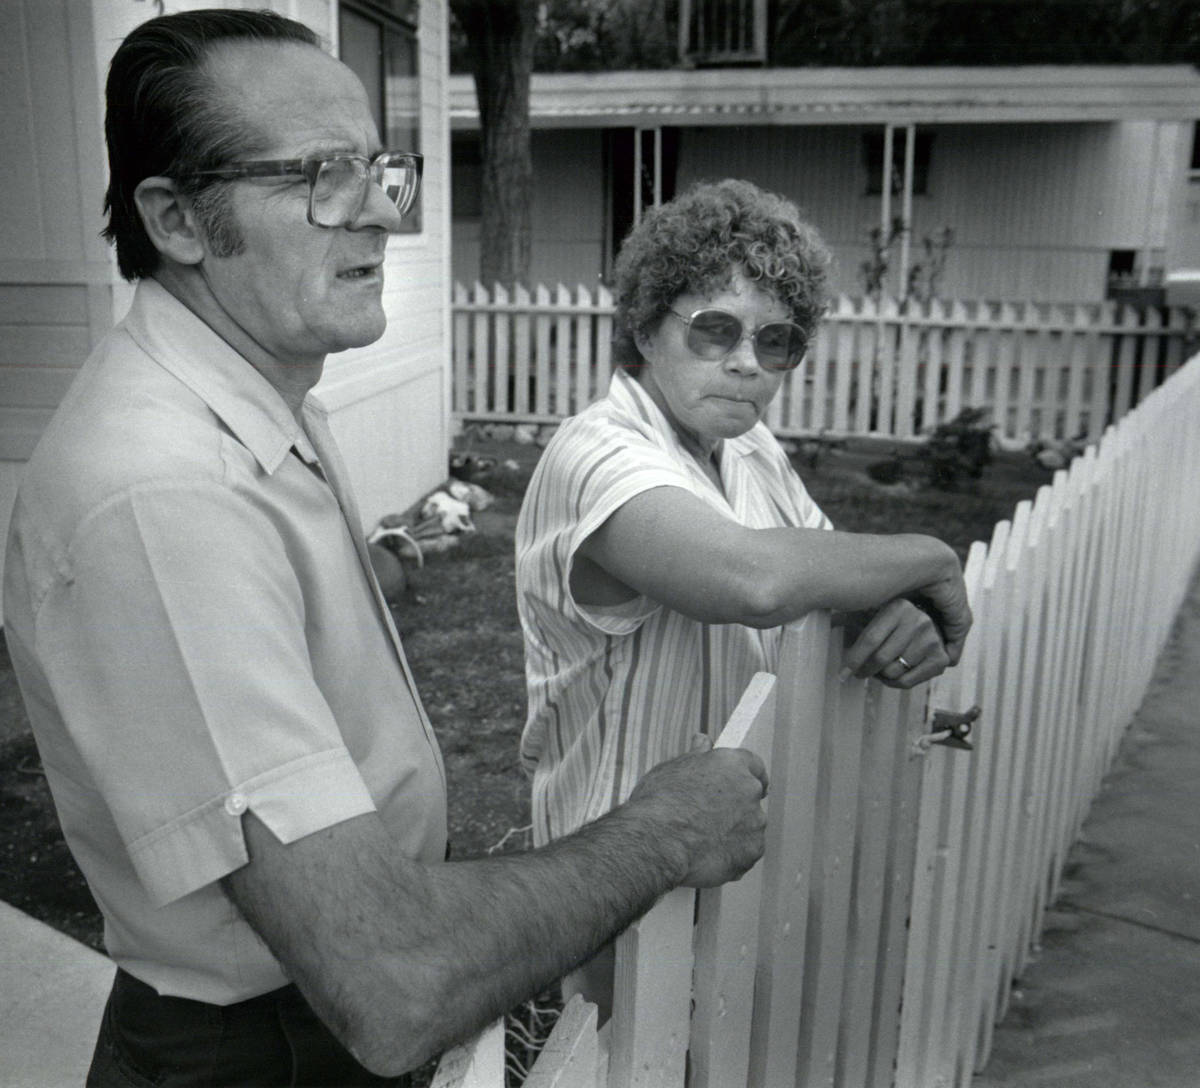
[[460, 630]]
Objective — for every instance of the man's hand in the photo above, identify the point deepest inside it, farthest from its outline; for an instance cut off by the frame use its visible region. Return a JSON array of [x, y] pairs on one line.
[[708, 804]]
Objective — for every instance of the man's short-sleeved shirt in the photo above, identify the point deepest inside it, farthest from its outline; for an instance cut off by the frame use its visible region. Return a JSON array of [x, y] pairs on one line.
[[613, 690], [197, 632]]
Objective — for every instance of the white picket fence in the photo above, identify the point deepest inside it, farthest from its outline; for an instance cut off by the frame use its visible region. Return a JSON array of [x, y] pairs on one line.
[[904, 883], [1044, 370]]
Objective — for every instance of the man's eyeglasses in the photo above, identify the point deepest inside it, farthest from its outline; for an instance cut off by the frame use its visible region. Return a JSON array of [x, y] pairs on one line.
[[712, 334], [338, 184]]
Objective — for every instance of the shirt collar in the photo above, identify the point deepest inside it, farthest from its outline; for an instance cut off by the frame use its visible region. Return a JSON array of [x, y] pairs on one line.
[[253, 409]]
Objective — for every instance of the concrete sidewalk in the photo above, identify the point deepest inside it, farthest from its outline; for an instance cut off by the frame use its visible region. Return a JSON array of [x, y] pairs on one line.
[[1113, 998], [52, 992]]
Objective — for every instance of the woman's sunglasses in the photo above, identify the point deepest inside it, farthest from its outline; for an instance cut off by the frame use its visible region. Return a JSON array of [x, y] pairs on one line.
[[713, 334]]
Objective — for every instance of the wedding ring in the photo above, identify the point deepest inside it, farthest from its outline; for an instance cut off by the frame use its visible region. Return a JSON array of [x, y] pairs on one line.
[[903, 664]]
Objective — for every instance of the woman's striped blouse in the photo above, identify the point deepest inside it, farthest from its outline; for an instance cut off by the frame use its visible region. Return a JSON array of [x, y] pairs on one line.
[[614, 690]]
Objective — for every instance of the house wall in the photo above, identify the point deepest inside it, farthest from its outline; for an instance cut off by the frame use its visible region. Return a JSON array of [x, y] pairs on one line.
[[568, 211], [60, 292], [1184, 244], [1035, 208], [56, 293]]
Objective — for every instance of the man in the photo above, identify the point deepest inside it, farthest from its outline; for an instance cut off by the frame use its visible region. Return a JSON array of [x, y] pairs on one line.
[[240, 762]]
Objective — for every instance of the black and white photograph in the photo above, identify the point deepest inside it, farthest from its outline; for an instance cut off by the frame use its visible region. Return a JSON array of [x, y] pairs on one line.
[[600, 543]]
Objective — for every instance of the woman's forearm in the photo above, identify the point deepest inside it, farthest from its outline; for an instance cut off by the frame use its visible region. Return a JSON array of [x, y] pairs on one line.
[[673, 548]]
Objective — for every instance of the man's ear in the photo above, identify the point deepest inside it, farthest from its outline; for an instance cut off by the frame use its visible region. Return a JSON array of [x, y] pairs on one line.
[[169, 221]]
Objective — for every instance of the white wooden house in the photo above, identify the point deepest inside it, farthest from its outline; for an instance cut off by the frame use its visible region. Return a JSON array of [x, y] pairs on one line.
[[1059, 183], [59, 286]]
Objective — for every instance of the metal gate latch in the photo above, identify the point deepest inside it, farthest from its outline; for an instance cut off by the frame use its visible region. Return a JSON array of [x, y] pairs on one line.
[[951, 728]]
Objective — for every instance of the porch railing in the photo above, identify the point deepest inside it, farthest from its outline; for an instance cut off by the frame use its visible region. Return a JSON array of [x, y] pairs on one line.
[[1047, 371], [904, 883], [723, 31]]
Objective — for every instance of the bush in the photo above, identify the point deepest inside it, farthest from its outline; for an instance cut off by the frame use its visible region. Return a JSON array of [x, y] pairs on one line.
[[960, 447]]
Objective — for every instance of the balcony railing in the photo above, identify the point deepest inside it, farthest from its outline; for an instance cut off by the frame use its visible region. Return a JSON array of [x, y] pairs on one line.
[[723, 32]]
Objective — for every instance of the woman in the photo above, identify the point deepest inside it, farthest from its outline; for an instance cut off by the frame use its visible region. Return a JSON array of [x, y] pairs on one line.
[[664, 536]]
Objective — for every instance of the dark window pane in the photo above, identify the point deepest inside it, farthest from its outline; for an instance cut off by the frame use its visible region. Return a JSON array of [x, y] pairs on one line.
[[402, 99], [378, 42], [466, 176], [361, 52]]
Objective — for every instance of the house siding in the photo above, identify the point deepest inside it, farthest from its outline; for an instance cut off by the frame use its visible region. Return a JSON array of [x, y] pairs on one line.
[[1035, 207], [568, 211]]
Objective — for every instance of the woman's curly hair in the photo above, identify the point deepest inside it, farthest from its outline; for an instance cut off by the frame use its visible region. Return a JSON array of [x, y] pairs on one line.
[[695, 243]]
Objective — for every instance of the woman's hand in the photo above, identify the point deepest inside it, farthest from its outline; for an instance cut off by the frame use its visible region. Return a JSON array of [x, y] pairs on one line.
[[900, 645]]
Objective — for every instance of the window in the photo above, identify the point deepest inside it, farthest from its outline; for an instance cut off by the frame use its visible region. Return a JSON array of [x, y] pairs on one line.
[[873, 161], [379, 43]]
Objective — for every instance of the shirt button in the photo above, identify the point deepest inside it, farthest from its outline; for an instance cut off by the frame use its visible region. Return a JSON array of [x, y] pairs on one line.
[[235, 804]]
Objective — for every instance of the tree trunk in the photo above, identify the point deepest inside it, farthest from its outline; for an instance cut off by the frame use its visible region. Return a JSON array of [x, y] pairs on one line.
[[500, 34]]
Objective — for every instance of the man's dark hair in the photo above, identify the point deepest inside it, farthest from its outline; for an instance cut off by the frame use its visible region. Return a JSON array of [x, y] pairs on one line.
[[164, 117]]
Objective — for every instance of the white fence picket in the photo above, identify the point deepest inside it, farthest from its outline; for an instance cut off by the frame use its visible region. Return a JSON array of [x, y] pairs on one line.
[[967, 932], [563, 369], [571, 1056], [870, 333], [956, 358], [604, 335], [868, 997], [800, 712], [837, 808], [1148, 367], [1003, 800], [1026, 576], [583, 351], [726, 945], [1026, 361], [844, 383], [460, 347], [931, 390], [481, 347], [543, 364], [881, 405], [929, 980], [652, 991], [910, 337], [501, 355], [522, 342], [898, 886], [477, 1064]]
